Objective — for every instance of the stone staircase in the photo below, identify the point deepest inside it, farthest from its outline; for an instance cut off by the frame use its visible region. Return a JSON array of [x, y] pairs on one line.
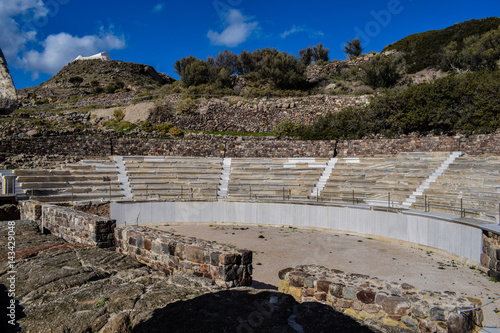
[[224, 179], [320, 185], [123, 178], [431, 179]]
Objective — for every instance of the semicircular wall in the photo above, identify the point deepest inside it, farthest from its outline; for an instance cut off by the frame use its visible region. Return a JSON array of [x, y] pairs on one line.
[[440, 231]]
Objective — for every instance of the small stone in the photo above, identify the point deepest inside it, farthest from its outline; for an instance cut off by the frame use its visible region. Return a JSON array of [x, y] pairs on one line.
[[358, 306], [420, 310], [410, 323], [282, 274], [372, 308], [344, 304], [395, 306], [407, 286], [307, 292], [323, 286], [366, 296], [309, 282], [297, 278], [426, 326], [437, 314], [337, 290], [350, 293], [320, 296]]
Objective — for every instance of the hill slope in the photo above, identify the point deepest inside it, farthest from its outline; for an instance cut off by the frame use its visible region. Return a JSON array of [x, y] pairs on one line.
[[423, 50], [92, 77]]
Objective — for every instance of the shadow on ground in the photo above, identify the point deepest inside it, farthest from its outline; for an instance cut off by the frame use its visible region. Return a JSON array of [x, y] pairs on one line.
[[246, 311]]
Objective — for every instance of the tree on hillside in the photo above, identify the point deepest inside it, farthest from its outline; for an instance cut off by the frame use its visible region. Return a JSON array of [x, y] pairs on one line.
[[76, 80], [317, 53], [228, 60], [353, 48], [382, 71], [320, 53], [477, 53], [306, 56]]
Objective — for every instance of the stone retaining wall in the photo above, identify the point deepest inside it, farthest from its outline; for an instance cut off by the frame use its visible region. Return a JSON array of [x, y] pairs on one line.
[[490, 256], [233, 146], [390, 307], [169, 253], [71, 225]]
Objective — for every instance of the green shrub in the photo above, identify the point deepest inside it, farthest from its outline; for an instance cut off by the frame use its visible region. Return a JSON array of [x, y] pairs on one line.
[[119, 114], [146, 126], [186, 106], [382, 71], [286, 128], [424, 49], [175, 131], [466, 103], [163, 128], [76, 80]]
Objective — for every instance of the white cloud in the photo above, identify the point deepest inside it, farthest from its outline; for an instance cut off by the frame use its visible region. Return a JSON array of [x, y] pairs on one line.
[[17, 18], [19, 22], [302, 28], [60, 49], [158, 8], [237, 30]]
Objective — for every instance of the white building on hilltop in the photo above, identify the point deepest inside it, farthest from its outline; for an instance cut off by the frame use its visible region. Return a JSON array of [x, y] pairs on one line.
[[99, 56]]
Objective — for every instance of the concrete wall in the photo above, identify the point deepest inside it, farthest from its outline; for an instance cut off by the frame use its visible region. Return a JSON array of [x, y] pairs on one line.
[[439, 231]]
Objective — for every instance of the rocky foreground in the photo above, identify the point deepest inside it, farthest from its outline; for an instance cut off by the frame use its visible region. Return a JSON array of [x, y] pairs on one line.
[[62, 287]]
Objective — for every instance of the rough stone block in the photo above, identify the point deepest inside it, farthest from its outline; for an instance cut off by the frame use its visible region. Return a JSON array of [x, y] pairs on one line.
[[227, 259], [246, 257], [228, 272], [195, 254], [297, 278]]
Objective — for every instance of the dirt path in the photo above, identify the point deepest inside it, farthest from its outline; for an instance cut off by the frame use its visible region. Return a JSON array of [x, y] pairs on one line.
[[283, 247]]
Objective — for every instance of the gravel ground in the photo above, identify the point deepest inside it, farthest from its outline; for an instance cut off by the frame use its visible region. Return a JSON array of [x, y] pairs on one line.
[[282, 247]]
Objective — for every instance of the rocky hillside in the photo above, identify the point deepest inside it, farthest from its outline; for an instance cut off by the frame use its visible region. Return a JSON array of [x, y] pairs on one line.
[[95, 77]]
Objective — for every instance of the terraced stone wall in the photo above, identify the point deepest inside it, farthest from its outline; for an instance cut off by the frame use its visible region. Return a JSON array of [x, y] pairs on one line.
[[72, 225], [490, 257], [169, 253], [234, 146], [388, 306]]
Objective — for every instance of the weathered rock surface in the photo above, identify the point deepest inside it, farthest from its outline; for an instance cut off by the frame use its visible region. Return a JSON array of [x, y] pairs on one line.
[[64, 287], [8, 94]]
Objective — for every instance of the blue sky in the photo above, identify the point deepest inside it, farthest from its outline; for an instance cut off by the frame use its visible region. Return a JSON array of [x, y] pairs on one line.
[[39, 37]]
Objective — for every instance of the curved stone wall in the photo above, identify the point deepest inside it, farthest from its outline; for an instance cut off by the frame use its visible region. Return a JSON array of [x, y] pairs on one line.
[[440, 231]]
